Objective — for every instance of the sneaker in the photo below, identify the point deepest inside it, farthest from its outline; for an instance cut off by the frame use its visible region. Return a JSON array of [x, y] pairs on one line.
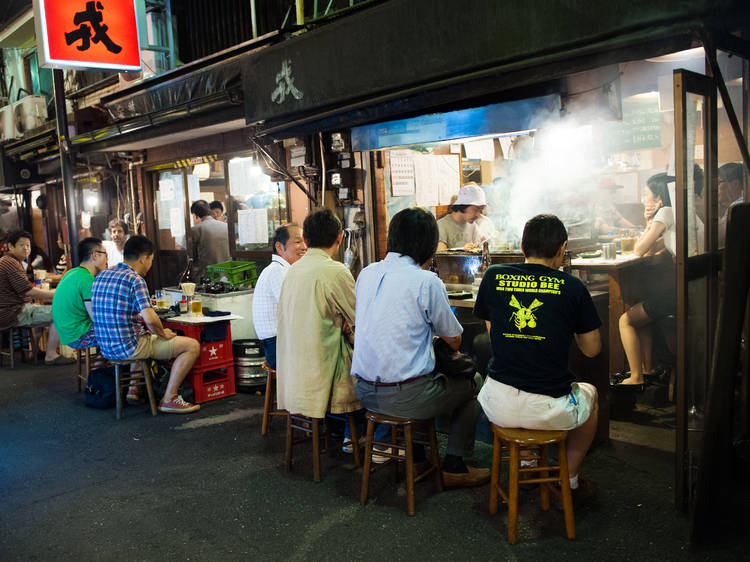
[[348, 447], [178, 406], [380, 459], [134, 394], [60, 360]]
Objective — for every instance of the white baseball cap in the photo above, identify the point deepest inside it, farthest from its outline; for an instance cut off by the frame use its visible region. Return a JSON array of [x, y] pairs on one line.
[[471, 194]]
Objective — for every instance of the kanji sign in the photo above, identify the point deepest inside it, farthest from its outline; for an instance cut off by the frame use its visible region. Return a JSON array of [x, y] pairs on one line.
[[87, 34]]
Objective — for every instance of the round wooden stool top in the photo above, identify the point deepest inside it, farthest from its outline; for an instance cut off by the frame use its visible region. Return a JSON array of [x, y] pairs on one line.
[[529, 436]]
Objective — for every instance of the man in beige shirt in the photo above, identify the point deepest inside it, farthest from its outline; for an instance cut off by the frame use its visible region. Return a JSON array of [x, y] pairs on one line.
[[315, 317]]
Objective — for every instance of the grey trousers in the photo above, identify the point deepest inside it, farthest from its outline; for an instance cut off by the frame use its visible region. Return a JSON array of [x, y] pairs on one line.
[[430, 396]]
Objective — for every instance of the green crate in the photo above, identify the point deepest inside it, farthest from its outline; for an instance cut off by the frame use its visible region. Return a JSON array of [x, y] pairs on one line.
[[234, 272]]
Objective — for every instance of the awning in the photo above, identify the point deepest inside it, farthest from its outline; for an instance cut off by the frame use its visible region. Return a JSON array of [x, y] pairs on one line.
[[197, 99], [407, 55]]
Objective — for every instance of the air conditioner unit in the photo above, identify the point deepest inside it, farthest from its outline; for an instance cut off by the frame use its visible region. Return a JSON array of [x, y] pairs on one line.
[[7, 126], [29, 113]]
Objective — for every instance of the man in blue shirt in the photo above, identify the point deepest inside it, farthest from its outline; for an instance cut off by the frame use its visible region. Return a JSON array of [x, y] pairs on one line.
[[121, 306], [399, 308]]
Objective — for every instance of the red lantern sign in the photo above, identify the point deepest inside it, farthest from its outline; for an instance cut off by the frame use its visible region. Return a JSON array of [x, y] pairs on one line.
[[87, 34]]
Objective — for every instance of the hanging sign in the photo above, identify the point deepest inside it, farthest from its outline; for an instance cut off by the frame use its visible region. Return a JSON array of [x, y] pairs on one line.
[[87, 34]]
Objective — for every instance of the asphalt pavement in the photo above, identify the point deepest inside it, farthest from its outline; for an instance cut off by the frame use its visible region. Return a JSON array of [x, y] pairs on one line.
[[76, 484]]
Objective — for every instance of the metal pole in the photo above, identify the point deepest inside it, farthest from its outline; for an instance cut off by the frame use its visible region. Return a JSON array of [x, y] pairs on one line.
[[66, 167], [170, 37], [253, 18]]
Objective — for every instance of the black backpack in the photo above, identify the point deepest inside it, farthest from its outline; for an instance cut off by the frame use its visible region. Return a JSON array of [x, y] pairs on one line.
[[100, 390]]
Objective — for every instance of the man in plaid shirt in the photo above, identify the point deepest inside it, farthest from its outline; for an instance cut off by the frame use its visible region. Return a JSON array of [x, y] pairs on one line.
[[121, 305]]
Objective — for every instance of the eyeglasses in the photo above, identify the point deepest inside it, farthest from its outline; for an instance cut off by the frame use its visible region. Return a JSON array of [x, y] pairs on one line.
[[100, 252]]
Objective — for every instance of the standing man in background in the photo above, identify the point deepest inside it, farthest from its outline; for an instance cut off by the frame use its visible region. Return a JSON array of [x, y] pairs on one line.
[[118, 230], [209, 237], [288, 247]]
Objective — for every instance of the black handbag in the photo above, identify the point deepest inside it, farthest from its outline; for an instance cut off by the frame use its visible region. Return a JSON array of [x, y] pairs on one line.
[[100, 389], [452, 363]]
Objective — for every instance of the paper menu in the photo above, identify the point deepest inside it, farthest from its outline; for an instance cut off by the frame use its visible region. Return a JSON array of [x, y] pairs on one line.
[[402, 172], [176, 222], [426, 188], [437, 178], [166, 190], [252, 226]]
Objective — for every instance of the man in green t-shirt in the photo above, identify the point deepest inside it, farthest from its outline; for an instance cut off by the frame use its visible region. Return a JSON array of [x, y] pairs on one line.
[[71, 306]]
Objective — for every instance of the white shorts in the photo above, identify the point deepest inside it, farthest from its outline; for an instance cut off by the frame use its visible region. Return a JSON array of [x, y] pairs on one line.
[[507, 406]]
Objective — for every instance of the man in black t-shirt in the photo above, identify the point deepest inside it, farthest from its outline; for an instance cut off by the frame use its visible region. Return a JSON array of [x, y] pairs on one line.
[[533, 312]]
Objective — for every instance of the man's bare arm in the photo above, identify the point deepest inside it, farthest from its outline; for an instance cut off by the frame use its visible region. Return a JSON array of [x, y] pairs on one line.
[[453, 342], [589, 343], [154, 323]]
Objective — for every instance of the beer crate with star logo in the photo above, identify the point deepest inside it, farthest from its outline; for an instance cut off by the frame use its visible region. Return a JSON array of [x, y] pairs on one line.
[[212, 353], [212, 383]]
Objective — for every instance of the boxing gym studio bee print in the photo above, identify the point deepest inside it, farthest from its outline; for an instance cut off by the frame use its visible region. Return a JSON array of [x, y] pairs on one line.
[[521, 310]]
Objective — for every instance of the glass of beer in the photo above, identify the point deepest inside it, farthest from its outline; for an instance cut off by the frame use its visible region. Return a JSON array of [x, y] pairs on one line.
[[196, 307], [627, 242], [161, 299]]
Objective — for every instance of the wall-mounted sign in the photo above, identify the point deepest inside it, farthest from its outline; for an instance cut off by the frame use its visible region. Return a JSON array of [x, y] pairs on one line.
[[87, 34]]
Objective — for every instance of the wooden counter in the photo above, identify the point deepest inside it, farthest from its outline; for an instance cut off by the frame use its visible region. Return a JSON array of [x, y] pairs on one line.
[[631, 279]]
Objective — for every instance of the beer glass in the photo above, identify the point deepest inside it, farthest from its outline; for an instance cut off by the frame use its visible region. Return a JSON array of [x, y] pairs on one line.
[[196, 307], [627, 242]]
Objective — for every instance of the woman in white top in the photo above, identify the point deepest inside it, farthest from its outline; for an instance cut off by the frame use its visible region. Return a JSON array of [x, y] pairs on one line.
[[635, 323]]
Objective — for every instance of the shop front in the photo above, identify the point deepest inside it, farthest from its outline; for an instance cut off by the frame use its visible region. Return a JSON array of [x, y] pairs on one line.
[[577, 125]]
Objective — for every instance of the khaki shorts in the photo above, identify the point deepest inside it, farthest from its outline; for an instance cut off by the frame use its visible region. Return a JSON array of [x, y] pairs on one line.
[[151, 346], [507, 406], [34, 314]]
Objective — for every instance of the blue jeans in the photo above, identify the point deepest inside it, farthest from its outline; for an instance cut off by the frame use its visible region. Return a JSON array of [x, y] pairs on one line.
[[269, 350]]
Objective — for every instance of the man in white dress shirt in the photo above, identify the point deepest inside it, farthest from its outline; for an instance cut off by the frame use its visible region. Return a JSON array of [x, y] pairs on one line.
[[118, 230], [288, 247]]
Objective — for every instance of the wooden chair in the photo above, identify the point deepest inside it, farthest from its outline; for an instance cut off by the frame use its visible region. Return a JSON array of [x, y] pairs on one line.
[[270, 407], [406, 427], [123, 382], [515, 440], [311, 428]]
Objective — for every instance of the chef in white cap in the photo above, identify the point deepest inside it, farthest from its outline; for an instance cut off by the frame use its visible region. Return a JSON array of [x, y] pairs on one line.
[[458, 229]]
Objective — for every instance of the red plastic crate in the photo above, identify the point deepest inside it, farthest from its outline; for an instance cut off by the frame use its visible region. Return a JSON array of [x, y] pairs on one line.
[[212, 383], [213, 353]]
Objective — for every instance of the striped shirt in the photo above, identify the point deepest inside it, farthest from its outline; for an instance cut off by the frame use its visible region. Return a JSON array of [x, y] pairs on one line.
[[118, 296], [266, 297], [14, 288]]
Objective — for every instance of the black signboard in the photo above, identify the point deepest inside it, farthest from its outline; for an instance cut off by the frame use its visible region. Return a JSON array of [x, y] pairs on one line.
[[402, 46]]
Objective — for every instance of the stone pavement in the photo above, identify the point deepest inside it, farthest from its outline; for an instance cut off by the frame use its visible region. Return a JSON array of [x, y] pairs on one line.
[[75, 484]]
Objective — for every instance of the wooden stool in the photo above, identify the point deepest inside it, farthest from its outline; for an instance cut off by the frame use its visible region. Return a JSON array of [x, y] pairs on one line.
[[33, 348], [312, 430], [407, 426], [515, 440], [125, 381], [83, 360], [270, 407]]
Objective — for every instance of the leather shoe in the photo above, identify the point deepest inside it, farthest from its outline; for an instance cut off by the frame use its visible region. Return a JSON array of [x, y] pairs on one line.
[[474, 477]]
